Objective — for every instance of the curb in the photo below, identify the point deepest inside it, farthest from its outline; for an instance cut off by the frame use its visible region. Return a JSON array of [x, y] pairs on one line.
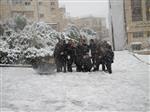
[[140, 59], [11, 65]]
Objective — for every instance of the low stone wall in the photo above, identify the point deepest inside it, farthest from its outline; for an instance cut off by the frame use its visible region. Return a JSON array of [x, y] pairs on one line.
[[13, 65], [143, 52]]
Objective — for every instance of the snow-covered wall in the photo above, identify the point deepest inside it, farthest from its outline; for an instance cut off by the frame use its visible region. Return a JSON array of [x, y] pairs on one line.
[[117, 24]]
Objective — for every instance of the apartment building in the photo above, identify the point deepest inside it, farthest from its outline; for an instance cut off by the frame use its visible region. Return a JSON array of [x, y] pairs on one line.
[[137, 14], [36, 10], [129, 22]]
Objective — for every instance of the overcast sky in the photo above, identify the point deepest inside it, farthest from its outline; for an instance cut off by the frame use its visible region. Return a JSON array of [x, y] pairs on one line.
[[81, 8]]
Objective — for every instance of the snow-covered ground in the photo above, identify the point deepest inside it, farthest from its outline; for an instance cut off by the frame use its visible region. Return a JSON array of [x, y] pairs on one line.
[[143, 58], [126, 89]]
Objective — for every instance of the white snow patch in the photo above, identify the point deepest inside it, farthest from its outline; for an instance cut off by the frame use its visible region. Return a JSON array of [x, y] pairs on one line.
[[126, 89]]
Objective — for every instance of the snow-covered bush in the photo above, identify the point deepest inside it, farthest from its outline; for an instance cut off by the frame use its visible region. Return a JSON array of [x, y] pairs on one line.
[[75, 33], [42, 40], [1, 29], [72, 32], [3, 50], [35, 40], [88, 33], [8, 55], [20, 22]]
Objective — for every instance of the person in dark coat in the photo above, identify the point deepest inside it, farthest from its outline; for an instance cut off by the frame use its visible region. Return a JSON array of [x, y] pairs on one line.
[[85, 47], [109, 57], [87, 64], [60, 56], [63, 56], [99, 57], [79, 56], [57, 56], [92, 47], [70, 49]]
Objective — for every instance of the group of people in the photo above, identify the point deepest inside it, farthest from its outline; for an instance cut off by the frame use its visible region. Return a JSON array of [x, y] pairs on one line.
[[86, 57]]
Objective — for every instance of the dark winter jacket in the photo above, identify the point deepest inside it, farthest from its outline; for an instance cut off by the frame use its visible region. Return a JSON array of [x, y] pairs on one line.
[[92, 47], [70, 50], [60, 53], [109, 56], [85, 49], [79, 50], [79, 55]]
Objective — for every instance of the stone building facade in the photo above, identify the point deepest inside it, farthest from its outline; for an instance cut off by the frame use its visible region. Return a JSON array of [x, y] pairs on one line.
[[129, 23], [137, 16], [36, 10]]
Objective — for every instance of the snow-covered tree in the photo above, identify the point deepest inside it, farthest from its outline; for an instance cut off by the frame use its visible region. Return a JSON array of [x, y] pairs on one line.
[[20, 22], [9, 53], [41, 40], [1, 30], [88, 33], [35, 40], [72, 32]]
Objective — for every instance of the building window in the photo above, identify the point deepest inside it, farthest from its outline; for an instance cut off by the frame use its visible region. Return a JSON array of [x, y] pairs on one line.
[[136, 6], [17, 1], [52, 9], [148, 9], [148, 34], [52, 3], [27, 3], [41, 15], [40, 3], [138, 34]]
